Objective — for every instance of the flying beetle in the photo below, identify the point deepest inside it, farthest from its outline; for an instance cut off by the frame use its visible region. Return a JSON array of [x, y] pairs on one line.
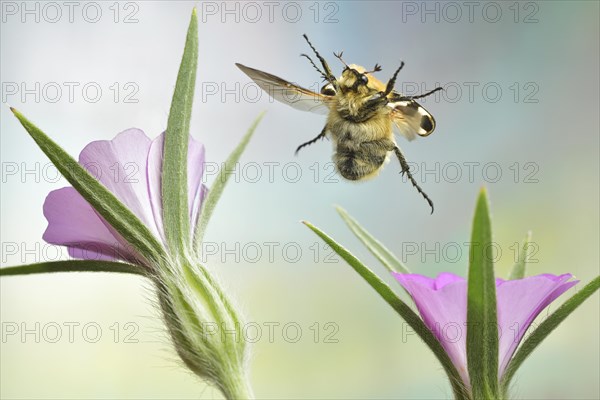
[[362, 115]]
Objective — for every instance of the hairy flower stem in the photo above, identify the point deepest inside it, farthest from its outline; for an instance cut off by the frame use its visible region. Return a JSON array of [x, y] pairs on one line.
[[237, 388], [205, 327]]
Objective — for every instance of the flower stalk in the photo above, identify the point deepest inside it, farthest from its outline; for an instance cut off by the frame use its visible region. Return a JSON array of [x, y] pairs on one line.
[[205, 328]]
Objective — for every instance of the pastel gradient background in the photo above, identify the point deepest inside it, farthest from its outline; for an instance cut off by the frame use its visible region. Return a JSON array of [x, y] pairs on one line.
[[540, 133]]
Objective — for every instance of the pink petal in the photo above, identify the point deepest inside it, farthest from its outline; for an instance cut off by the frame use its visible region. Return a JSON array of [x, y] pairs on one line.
[[446, 278], [120, 165], [519, 303], [196, 190], [130, 167], [442, 303], [154, 174], [73, 222], [197, 205]]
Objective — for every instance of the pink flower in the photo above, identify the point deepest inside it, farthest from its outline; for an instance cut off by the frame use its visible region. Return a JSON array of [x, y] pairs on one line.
[[130, 167], [442, 303]]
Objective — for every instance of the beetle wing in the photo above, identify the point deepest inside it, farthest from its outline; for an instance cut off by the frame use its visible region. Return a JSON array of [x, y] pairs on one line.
[[289, 93], [410, 119]]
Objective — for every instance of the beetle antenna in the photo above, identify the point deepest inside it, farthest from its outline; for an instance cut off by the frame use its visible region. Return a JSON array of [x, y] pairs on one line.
[[327, 72], [314, 65], [339, 57], [376, 68]]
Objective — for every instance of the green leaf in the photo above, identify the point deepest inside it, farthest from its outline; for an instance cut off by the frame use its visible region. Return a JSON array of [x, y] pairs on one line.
[[214, 194], [99, 197], [544, 329], [482, 328], [174, 169], [385, 256], [74, 266], [519, 269], [401, 308]]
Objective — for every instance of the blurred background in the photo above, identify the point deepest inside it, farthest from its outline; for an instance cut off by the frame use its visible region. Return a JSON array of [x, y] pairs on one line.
[[519, 116]]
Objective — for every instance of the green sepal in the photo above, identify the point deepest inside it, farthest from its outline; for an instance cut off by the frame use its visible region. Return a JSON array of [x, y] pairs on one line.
[[482, 324], [214, 194], [519, 270], [174, 167], [74, 266], [386, 257]]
